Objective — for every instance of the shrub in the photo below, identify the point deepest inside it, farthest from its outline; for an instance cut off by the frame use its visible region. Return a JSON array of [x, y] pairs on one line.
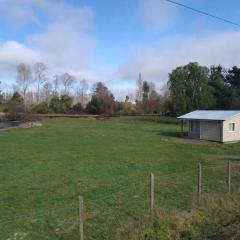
[[61, 105], [15, 107], [77, 108], [41, 108], [55, 105]]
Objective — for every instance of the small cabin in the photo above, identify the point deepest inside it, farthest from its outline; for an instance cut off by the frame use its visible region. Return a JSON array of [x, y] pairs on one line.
[[213, 125]]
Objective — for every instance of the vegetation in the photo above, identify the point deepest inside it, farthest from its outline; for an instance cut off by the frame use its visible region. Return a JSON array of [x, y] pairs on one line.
[[41, 108], [197, 87], [102, 100], [44, 170], [77, 108], [15, 107], [217, 218], [61, 105], [189, 87]]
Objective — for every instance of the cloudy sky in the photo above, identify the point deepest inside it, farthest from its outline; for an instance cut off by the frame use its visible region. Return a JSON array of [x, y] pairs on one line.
[[112, 41]]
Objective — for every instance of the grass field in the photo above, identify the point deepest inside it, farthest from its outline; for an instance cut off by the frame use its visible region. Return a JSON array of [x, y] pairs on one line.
[[44, 170]]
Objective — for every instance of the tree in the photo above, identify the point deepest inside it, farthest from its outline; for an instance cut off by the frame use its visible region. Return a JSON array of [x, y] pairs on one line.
[[55, 85], [47, 91], [15, 106], [61, 105], [139, 91], [77, 108], [82, 91], [1, 94], [221, 90], [145, 89], [144, 104], [24, 78], [55, 105], [41, 108], [189, 88], [154, 102], [66, 102], [102, 100], [40, 76], [233, 81], [67, 80]]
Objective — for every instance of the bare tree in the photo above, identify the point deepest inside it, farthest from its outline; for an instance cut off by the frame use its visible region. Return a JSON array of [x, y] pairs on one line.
[[40, 77], [82, 91], [56, 82], [139, 91], [47, 91], [67, 80], [24, 78]]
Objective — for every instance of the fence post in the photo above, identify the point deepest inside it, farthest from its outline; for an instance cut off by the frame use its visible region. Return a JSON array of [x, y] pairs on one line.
[[229, 177], [151, 195], [81, 218], [199, 183], [181, 128]]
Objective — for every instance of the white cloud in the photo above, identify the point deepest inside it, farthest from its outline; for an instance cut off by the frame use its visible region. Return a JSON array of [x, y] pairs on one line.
[[11, 54], [17, 13], [63, 42], [157, 14], [155, 62]]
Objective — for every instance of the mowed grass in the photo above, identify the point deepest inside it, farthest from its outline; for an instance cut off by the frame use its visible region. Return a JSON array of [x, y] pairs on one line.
[[44, 170]]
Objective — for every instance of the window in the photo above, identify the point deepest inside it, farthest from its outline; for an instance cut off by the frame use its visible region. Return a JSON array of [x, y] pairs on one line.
[[231, 127]]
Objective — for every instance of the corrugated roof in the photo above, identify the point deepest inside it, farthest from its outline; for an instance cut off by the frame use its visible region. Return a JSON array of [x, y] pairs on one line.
[[210, 115]]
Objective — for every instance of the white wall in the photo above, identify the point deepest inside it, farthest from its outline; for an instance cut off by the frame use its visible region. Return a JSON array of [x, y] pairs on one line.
[[229, 136], [211, 130]]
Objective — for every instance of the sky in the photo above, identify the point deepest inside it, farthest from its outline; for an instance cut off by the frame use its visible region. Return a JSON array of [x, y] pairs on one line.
[[114, 41]]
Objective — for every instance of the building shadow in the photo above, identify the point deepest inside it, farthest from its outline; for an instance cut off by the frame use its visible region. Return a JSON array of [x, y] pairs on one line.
[[171, 134]]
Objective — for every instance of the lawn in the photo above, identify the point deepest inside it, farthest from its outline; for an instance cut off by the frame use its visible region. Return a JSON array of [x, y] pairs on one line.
[[44, 170]]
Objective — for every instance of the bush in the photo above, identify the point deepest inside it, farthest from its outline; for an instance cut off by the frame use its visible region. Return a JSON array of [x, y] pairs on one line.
[[77, 108], [41, 108], [55, 105], [15, 107], [66, 103], [61, 105]]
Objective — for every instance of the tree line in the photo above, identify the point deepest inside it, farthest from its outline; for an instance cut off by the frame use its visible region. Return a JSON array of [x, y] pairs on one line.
[[194, 87], [188, 88]]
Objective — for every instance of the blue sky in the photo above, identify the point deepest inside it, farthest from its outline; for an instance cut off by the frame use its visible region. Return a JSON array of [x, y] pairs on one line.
[[112, 41]]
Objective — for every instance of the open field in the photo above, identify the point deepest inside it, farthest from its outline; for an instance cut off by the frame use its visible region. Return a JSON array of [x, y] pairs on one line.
[[44, 170]]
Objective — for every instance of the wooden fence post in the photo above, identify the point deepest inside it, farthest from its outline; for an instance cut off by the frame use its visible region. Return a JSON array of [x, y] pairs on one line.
[[181, 128], [199, 183], [81, 218], [229, 177], [151, 196]]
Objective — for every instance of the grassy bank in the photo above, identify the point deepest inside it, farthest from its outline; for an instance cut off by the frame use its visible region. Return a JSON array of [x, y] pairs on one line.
[[44, 170], [217, 218]]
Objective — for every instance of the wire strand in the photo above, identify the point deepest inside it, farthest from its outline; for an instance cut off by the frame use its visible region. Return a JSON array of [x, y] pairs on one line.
[[204, 13]]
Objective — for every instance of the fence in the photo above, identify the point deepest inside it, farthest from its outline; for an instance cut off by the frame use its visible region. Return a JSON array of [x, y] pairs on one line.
[[114, 212]]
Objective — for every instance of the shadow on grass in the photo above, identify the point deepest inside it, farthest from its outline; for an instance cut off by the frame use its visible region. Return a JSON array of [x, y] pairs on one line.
[[170, 134]]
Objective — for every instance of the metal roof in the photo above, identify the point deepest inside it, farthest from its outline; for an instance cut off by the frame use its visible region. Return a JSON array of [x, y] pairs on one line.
[[215, 115]]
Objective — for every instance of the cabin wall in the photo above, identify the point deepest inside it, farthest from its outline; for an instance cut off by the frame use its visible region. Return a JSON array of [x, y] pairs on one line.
[[194, 132], [211, 130], [231, 136]]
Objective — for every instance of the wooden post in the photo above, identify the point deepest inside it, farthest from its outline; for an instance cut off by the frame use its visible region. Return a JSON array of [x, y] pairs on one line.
[[199, 183], [151, 196], [181, 128], [229, 177], [81, 218]]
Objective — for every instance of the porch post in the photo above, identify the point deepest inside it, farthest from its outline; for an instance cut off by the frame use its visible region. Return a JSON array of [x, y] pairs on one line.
[[181, 128]]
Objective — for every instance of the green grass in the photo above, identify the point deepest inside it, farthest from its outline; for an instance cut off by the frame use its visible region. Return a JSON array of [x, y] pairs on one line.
[[217, 218], [44, 170]]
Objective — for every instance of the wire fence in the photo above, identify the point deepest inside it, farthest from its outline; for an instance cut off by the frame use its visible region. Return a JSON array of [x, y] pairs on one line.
[[117, 210]]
